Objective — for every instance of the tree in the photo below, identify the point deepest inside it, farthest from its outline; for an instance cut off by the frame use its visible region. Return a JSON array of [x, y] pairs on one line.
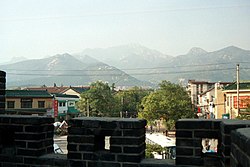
[[130, 100], [170, 102], [99, 100]]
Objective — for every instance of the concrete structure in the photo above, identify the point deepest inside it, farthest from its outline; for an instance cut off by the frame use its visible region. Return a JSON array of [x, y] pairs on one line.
[[197, 87], [75, 90], [65, 106], [231, 98], [212, 101]]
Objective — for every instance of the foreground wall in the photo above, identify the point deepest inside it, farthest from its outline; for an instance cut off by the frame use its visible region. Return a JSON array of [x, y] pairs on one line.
[[189, 135], [27, 141]]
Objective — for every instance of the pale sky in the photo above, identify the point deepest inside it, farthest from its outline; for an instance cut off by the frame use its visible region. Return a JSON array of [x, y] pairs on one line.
[[40, 28]]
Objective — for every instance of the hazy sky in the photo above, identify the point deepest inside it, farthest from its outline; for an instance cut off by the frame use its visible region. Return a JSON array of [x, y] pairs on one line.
[[39, 28]]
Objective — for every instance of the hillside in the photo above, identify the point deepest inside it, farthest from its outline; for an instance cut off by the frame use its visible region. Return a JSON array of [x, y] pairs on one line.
[[130, 65], [65, 70]]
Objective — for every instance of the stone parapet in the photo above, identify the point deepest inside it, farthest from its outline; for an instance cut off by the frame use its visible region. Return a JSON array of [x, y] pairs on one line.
[[125, 139]]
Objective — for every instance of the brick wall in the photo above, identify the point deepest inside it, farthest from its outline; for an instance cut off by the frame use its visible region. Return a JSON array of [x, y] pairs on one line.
[[189, 135], [240, 148], [226, 128], [27, 141], [24, 138], [86, 145]]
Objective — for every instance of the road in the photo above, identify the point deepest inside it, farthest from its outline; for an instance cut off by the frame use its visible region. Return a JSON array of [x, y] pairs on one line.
[[62, 143]]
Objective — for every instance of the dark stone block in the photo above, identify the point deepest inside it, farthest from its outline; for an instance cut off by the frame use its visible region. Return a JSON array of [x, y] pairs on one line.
[[86, 147], [107, 132], [184, 133], [5, 120], [105, 156], [72, 147], [103, 164], [48, 142], [31, 152], [132, 123], [50, 149], [133, 149], [108, 124], [184, 151], [31, 120], [130, 165], [115, 149], [129, 158], [74, 163], [21, 144], [35, 144], [127, 140], [198, 152], [192, 161], [134, 132], [206, 134], [74, 155], [188, 142], [194, 124], [81, 139], [89, 156], [31, 136]]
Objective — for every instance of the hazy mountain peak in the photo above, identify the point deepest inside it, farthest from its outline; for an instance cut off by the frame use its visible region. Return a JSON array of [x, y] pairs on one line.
[[64, 55], [197, 51], [232, 48]]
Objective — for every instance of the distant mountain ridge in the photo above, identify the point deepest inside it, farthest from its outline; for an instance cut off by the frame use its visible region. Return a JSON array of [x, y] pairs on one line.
[[130, 65]]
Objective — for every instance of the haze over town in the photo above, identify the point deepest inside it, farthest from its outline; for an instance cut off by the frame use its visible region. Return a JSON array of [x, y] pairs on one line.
[[42, 28]]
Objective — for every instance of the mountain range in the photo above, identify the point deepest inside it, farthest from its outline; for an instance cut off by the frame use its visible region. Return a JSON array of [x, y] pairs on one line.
[[129, 65]]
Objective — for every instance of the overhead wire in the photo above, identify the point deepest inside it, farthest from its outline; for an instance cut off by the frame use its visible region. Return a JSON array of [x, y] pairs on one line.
[[111, 68], [119, 74]]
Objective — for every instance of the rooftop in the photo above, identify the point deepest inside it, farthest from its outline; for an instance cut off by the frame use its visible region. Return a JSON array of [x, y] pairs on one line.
[[28, 93], [233, 86]]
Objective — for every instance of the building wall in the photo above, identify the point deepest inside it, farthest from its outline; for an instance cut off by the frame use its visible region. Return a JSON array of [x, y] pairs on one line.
[[219, 102], [230, 107], [71, 92], [48, 102]]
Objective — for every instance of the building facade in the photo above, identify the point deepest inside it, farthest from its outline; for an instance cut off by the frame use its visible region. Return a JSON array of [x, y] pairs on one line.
[[65, 106], [231, 98], [29, 102]]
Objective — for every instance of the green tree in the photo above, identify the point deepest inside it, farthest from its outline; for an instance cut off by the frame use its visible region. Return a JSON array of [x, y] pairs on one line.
[[99, 100], [170, 102], [130, 100]]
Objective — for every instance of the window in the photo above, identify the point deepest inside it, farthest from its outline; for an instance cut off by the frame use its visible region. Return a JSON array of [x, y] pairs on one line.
[[10, 104], [41, 104], [26, 103], [61, 104]]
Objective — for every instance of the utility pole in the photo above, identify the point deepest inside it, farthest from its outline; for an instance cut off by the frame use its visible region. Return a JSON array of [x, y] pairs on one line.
[[238, 89]]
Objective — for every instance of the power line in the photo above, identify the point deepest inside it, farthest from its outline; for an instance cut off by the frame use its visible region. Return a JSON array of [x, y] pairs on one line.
[[139, 68], [115, 74]]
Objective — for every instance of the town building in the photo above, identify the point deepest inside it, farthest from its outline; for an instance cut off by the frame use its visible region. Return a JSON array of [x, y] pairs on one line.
[[198, 87], [38, 102], [69, 90], [211, 103], [230, 92], [65, 106]]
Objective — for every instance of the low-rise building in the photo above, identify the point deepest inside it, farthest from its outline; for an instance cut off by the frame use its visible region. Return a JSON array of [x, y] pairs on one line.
[[29, 102], [231, 98], [65, 106]]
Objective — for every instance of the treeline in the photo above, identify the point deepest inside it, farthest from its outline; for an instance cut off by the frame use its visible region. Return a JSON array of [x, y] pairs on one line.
[[169, 102]]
